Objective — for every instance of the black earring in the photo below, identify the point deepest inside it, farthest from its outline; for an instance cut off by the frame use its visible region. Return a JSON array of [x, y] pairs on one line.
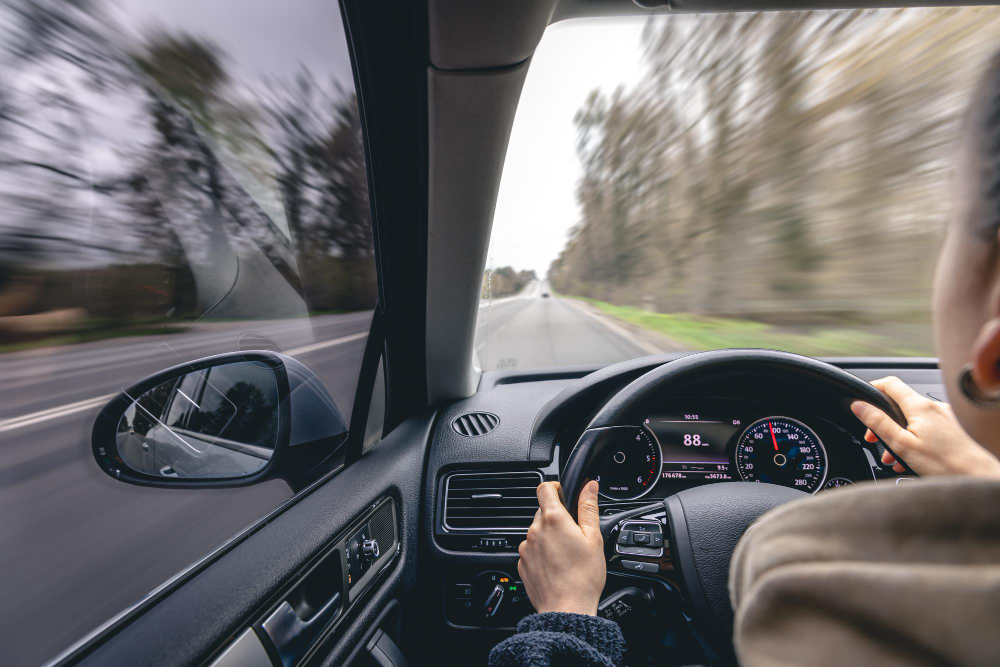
[[972, 392]]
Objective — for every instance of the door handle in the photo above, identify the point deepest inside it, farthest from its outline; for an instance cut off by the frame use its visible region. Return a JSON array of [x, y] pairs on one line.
[[292, 636]]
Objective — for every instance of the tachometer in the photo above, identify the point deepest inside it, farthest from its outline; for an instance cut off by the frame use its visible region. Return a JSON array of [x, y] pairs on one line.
[[779, 450], [632, 468]]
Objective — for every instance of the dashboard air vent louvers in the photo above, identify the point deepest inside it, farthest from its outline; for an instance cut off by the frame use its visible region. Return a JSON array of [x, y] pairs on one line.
[[475, 423], [500, 502]]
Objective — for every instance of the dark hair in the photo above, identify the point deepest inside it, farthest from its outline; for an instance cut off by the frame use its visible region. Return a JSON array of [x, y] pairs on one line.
[[982, 132]]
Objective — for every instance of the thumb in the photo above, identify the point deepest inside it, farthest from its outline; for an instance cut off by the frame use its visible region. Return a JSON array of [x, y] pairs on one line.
[[588, 515]]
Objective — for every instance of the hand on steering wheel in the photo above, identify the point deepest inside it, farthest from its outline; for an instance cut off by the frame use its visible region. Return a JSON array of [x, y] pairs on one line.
[[562, 561], [932, 442]]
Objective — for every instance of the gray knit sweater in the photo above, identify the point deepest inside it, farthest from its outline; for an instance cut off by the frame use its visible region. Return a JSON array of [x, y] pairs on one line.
[[556, 638]]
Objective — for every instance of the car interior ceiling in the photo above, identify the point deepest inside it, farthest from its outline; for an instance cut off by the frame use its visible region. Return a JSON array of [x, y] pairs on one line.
[[439, 84]]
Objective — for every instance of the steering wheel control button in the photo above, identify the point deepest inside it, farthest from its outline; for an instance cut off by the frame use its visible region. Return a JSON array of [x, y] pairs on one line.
[[640, 538], [647, 552], [640, 566]]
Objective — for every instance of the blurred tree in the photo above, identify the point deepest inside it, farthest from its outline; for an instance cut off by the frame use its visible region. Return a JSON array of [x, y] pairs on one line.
[[788, 167]]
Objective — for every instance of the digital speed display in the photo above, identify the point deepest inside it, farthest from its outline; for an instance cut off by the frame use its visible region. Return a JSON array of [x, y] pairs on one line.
[[695, 447]]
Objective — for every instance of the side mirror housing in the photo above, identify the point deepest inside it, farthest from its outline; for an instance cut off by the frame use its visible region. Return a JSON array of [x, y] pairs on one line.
[[229, 420]]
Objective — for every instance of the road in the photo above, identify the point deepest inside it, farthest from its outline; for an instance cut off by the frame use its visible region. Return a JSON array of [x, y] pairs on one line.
[[76, 547], [531, 330]]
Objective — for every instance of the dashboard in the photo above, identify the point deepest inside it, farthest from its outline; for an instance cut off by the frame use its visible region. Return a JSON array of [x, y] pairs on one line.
[[480, 500], [695, 441]]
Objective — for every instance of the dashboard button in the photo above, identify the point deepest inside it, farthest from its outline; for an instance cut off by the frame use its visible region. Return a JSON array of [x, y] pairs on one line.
[[656, 540], [625, 537], [641, 538], [462, 591], [639, 566]]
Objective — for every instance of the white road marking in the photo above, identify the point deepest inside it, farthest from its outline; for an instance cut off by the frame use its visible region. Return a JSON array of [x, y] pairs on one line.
[[53, 413], [326, 343], [72, 408]]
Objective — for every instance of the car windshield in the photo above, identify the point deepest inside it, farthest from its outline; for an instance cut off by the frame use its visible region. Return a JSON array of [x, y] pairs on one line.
[[747, 180]]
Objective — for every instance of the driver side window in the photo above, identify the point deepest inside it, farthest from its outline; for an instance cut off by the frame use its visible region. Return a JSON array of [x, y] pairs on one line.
[[174, 184]]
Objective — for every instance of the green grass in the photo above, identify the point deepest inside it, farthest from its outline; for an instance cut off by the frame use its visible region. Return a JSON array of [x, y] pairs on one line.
[[703, 332]]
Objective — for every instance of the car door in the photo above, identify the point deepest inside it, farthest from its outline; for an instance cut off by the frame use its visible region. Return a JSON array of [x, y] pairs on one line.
[[192, 182]]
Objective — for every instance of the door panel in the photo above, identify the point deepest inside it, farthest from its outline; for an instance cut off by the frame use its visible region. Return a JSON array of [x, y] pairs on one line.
[[196, 622]]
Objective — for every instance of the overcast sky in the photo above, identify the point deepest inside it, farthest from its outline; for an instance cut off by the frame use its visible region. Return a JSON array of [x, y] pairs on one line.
[[537, 203]]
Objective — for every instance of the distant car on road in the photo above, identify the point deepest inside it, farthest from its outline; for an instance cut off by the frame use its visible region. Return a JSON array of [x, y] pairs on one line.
[[545, 295]]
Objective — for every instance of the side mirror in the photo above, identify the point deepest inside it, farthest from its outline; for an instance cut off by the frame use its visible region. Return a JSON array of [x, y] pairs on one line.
[[229, 420]]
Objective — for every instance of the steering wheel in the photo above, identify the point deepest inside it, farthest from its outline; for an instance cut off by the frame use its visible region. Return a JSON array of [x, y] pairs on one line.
[[706, 522]]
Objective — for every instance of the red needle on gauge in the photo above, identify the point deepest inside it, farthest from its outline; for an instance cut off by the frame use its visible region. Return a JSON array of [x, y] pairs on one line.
[[773, 439]]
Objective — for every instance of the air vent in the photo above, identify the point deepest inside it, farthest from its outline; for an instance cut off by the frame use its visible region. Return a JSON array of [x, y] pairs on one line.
[[475, 423], [497, 502]]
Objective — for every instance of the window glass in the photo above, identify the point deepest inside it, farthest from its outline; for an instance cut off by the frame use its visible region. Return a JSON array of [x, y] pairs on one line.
[[690, 182], [177, 179]]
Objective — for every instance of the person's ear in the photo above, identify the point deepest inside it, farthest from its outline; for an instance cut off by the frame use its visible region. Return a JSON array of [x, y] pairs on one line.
[[986, 357]]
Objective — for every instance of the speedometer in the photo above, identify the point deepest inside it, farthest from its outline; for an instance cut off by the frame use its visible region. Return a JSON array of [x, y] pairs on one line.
[[632, 467], [779, 450]]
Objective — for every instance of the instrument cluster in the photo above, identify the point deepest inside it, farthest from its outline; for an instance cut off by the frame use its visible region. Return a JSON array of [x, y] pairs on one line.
[[704, 441]]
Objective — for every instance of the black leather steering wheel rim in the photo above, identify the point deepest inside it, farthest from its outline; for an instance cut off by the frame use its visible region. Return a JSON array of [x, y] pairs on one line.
[[632, 404]]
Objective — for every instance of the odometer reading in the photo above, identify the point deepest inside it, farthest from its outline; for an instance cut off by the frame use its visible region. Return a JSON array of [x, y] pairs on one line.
[[631, 468], [779, 450]]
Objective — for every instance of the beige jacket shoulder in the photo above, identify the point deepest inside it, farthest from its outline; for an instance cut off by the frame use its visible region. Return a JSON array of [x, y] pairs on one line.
[[883, 574]]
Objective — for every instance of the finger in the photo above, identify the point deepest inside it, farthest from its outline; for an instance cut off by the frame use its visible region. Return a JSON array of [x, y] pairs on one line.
[[880, 423], [548, 497], [870, 437], [899, 468], [899, 391], [587, 513], [888, 458]]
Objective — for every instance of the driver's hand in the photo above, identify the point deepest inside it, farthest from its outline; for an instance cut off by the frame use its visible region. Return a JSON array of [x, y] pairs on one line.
[[562, 562], [933, 442]]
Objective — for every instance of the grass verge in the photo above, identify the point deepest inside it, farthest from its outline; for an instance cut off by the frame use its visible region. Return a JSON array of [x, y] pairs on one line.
[[704, 332]]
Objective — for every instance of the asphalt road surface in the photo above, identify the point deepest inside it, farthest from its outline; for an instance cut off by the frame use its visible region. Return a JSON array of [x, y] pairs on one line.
[[532, 330], [77, 547]]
